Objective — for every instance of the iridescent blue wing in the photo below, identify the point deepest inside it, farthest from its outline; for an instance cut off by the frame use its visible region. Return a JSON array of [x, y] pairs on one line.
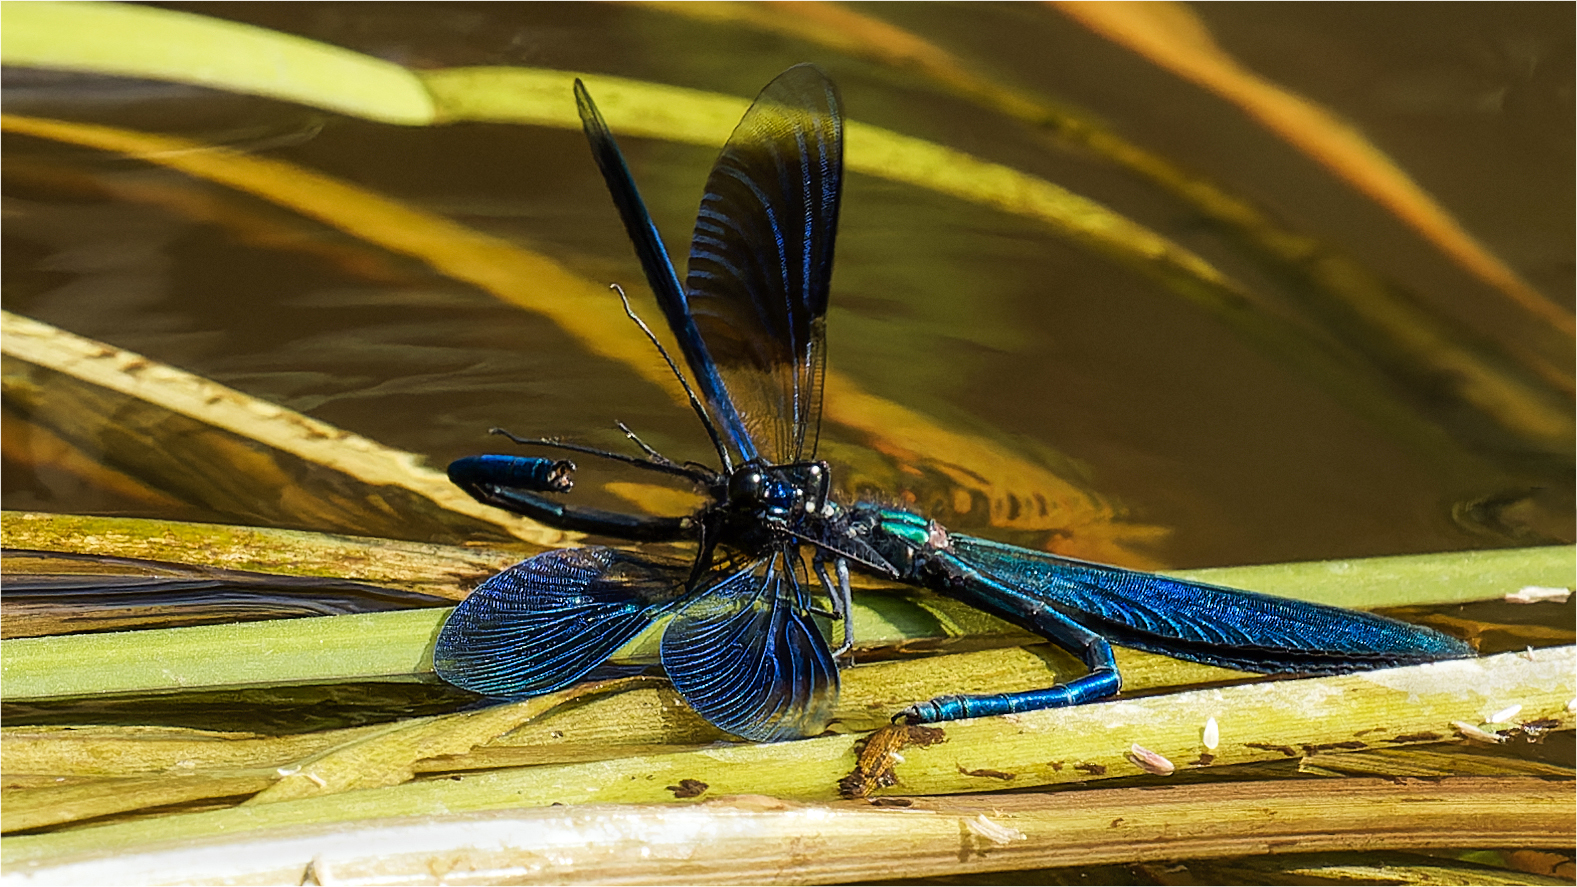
[[545, 622], [748, 658], [1204, 623], [761, 259]]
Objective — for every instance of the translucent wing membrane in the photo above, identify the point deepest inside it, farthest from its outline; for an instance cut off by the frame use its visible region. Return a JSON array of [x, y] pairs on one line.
[[747, 657], [545, 622], [761, 259], [659, 270], [1208, 623]]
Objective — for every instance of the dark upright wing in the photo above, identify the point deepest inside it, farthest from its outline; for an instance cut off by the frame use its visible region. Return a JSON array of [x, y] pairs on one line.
[[750, 320], [547, 621], [761, 259], [747, 658], [659, 270], [1200, 622]]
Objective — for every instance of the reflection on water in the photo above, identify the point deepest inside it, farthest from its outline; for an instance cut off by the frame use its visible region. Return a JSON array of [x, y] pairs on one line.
[[53, 593], [983, 321], [275, 710]]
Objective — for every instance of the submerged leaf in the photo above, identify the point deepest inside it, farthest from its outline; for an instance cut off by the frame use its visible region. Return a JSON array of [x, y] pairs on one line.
[[165, 44], [1172, 36], [79, 384]]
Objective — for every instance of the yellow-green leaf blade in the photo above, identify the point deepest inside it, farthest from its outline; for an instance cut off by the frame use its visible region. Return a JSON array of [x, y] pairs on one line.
[[162, 44]]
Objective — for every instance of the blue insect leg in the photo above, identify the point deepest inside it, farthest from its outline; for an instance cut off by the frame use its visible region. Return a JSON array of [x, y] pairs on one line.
[[507, 481], [953, 577]]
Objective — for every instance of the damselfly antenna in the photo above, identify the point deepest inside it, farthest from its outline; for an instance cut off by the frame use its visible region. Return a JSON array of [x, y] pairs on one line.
[[667, 466], [695, 402], [645, 447]]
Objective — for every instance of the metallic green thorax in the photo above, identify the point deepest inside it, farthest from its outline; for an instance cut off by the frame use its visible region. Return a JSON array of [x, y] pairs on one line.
[[911, 528]]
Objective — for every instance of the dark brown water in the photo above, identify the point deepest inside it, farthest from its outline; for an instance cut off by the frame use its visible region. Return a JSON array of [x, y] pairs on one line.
[[985, 322]]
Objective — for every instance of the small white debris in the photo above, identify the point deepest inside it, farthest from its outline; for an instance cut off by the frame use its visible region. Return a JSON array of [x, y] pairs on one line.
[[1533, 594], [1473, 733], [1504, 715], [996, 834], [1149, 761], [1527, 653], [318, 780], [288, 771], [1212, 736], [317, 873]]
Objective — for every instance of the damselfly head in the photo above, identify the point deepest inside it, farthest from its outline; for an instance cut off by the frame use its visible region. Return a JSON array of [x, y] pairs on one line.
[[779, 492]]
